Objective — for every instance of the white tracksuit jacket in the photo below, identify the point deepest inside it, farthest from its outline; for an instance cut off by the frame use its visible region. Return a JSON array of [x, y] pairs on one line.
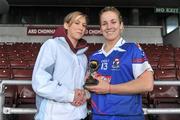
[[57, 72]]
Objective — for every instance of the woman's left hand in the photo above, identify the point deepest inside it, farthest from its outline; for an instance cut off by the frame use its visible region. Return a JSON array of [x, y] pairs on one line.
[[103, 87]]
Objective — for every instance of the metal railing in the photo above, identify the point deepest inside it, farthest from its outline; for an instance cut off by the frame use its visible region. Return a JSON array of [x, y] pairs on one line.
[[11, 110], [8, 110]]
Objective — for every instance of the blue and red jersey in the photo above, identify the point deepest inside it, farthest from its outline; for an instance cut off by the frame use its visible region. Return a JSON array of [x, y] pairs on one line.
[[123, 63]]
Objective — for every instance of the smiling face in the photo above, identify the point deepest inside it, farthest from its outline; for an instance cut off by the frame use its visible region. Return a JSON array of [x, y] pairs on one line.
[[76, 27], [111, 26]]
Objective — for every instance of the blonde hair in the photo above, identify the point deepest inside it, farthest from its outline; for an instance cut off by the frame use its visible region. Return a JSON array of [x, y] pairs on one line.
[[112, 9], [71, 17]]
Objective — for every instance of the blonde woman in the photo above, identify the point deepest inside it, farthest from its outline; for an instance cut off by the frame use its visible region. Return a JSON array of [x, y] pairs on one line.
[[59, 72]]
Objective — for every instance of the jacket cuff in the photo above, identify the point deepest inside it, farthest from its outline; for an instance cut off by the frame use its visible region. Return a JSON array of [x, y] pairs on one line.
[[70, 97]]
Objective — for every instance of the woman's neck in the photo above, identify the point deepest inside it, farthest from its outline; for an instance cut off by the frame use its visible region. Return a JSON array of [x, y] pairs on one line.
[[74, 42], [109, 45]]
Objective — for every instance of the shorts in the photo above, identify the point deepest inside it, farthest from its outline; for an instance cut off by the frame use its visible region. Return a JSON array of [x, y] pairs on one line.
[[117, 117]]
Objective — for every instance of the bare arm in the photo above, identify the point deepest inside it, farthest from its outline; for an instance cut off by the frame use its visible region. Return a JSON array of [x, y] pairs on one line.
[[144, 83]]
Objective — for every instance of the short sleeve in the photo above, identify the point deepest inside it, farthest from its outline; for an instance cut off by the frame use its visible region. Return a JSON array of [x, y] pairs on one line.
[[140, 63]]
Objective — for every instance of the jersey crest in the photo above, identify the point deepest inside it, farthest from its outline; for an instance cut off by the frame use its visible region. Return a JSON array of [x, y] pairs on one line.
[[116, 63]]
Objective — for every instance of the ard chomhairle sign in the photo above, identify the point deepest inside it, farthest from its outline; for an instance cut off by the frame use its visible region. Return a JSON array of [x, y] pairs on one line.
[[49, 30]]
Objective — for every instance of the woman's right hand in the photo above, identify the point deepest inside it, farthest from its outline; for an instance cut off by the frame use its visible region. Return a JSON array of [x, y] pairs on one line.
[[79, 97]]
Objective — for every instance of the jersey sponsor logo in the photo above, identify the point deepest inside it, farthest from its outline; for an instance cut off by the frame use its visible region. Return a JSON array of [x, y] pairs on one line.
[[105, 78], [116, 63]]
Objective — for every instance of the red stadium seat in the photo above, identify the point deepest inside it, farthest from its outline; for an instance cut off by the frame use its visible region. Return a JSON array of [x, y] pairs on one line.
[[4, 64], [22, 74], [146, 100], [8, 48], [31, 63], [28, 56], [153, 57], [13, 56], [19, 64], [166, 65], [178, 65], [5, 74], [154, 64], [165, 92], [177, 50], [3, 56], [177, 57], [169, 50], [165, 75], [166, 57], [25, 93], [168, 116], [10, 91]]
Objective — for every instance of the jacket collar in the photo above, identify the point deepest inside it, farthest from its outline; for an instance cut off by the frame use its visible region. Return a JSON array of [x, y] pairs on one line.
[[60, 32]]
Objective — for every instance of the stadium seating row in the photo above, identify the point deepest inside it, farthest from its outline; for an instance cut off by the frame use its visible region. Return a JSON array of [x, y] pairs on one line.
[[165, 65], [17, 64]]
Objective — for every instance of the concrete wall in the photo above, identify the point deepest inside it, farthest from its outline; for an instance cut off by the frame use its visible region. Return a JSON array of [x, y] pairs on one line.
[[173, 38], [143, 34], [18, 33]]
